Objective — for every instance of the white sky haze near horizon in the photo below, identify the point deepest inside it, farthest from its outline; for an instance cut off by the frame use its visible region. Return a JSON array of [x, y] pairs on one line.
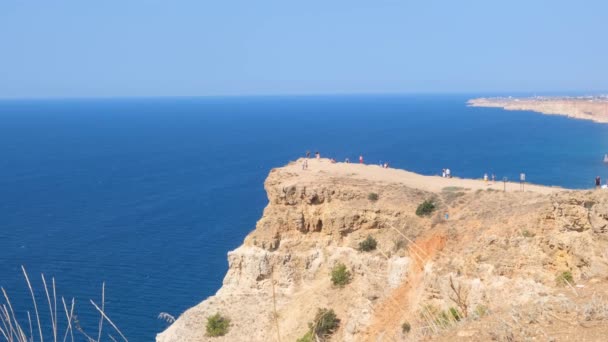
[[195, 48]]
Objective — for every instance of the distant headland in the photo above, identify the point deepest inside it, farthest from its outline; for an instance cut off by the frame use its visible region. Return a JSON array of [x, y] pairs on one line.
[[594, 108]]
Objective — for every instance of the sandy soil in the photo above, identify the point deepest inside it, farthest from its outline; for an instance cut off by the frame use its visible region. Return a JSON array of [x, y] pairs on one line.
[[378, 174]]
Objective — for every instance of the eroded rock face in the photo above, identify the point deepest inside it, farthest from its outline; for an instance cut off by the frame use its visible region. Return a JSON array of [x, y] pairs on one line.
[[580, 211], [503, 250]]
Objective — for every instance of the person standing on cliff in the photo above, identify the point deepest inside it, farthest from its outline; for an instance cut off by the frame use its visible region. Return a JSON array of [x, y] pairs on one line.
[[361, 159], [598, 182], [317, 155], [307, 154], [448, 173]]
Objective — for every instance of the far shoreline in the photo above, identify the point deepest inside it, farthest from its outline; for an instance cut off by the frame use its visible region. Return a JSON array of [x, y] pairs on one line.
[[591, 108]]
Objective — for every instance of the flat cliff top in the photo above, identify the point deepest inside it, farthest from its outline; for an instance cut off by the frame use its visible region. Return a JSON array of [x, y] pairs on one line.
[[322, 169], [584, 108]]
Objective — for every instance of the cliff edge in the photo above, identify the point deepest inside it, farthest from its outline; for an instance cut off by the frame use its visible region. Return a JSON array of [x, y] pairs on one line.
[[486, 264]]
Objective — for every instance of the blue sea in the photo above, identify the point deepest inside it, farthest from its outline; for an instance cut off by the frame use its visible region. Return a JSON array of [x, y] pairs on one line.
[[148, 195]]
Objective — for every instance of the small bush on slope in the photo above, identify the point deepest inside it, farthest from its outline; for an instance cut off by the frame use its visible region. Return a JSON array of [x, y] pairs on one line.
[[368, 244], [340, 276], [217, 325], [425, 208], [326, 322]]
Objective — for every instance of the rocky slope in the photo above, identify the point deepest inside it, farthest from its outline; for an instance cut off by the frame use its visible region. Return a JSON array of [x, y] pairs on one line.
[[594, 109], [497, 268]]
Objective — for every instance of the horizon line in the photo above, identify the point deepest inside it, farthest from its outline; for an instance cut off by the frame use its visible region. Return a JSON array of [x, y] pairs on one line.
[[304, 94]]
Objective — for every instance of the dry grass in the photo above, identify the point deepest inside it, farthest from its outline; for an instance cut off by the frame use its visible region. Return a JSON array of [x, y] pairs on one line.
[[13, 330]]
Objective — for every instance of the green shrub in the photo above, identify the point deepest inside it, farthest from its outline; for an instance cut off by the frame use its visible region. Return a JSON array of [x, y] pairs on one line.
[[326, 322], [564, 278], [369, 244], [308, 337], [406, 327], [446, 318], [372, 196], [455, 314], [217, 325], [340, 276], [425, 208]]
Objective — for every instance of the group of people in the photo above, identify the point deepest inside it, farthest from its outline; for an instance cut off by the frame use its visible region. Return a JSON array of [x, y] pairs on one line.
[[485, 178], [446, 173], [317, 155], [347, 160]]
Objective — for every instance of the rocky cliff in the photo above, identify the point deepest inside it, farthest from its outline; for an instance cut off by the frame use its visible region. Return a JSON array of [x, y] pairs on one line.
[[486, 264]]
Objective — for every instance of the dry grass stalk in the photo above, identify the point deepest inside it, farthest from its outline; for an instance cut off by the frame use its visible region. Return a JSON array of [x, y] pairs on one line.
[[69, 316], [29, 285], [12, 331], [412, 244], [103, 303], [166, 317], [460, 297], [274, 306], [103, 314], [571, 287]]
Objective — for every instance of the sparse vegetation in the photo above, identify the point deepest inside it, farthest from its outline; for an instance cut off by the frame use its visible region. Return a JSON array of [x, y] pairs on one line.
[[455, 314], [217, 325], [398, 244], [436, 319], [425, 208], [459, 296], [325, 323], [481, 310], [369, 244], [308, 337], [406, 327], [451, 196], [372, 196], [527, 234], [340, 276], [564, 278], [594, 310], [454, 188]]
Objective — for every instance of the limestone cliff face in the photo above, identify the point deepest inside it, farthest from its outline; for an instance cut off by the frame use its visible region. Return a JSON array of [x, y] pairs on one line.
[[495, 257]]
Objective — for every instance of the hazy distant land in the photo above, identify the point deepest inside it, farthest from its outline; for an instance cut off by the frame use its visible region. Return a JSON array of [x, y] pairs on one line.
[[594, 108]]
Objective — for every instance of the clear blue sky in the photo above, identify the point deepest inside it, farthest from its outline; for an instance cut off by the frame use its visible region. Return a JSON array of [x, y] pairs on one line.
[[169, 48]]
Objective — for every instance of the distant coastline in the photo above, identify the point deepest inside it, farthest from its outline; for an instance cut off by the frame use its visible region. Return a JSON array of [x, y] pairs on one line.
[[594, 108]]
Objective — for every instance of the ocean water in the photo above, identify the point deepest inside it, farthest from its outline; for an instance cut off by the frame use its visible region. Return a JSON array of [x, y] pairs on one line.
[[149, 195]]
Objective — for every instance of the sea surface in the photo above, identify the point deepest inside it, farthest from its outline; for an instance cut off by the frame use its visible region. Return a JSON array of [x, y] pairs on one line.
[[148, 195]]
